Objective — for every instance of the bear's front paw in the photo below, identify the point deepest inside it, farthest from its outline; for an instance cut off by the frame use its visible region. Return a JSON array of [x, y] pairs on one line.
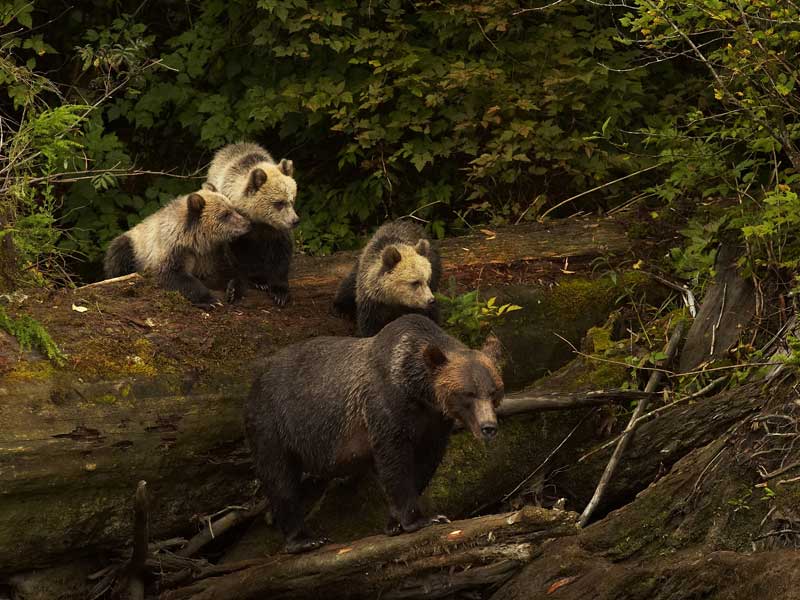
[[421, 523], [393, 527], [305, 545], [234, 291], [279, 297], [208, 304]]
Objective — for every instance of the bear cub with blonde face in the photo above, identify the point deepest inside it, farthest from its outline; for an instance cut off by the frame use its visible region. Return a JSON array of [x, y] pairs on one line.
[[180, 244], [336, 406], [263, 191], [397, 273]]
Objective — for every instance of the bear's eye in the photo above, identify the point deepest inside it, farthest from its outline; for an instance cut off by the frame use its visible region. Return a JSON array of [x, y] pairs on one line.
[[417, 284], [279, 205], [226, 214]]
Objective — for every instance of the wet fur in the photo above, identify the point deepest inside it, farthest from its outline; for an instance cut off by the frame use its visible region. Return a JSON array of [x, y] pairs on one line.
[[333, 406], [254, 182], [364, 294], [180, 244]]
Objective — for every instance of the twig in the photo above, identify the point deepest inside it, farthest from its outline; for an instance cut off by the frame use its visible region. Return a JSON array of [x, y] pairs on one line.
[[599, 187], [688, 296], [544, 462], [719, 318], [220, 526], [652, 384], [107, 281]]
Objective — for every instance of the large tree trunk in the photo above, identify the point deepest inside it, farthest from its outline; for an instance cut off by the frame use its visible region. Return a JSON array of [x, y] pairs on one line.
[[152, 390], [721, 522]]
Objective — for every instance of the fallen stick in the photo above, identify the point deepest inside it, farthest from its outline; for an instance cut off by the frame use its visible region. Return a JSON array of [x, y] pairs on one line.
[[652, 384], [522, 402], [108, 281], [465, 554], [220, 526]]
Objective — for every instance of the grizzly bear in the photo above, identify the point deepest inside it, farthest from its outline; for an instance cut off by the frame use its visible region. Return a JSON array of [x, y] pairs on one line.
[[181, 244], [337, 406], [263, 191], [397, 273]]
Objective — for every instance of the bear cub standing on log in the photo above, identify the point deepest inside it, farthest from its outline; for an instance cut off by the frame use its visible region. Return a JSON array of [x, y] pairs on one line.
[[336, 406], [264, 192], [397, 273], [179, 243]]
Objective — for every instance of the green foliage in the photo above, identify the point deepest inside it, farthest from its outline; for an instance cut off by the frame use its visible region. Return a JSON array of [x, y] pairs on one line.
[[31, 334], [793, 357], [731, 127], [469, 318], [454, 112]]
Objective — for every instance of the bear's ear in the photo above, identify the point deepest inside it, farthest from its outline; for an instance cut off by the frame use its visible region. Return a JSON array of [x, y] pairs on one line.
[[434, 357], [286, 167], [391, 256], [207, 185], [196, 204], [257, 178], [493, 348], [423, 247]]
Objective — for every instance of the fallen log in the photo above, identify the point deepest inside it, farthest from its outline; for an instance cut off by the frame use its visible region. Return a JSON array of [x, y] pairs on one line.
[[152, 389], [430, 563], [706, 528]]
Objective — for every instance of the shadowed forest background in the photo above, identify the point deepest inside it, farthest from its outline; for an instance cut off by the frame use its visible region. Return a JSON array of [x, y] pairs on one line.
[[462, 114]]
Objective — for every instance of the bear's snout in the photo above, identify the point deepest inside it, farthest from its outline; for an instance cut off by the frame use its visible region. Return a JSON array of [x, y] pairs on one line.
[[482, 420]]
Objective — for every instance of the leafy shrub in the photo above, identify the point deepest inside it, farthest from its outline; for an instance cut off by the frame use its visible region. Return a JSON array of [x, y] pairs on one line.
[[469, 318]]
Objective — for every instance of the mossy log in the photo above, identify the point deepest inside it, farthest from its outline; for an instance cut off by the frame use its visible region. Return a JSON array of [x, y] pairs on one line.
[[430, 563], [152, 389], [723, 521]]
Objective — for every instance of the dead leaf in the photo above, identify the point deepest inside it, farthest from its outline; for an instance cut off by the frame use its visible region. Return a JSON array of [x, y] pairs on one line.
[[560, 583], [80, 309], [456, 533], [490, 235], [344, 551]]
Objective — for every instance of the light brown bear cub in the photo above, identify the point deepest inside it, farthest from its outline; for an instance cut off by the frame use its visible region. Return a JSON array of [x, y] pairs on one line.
[[333, 406], [180, 244], [397, 273], [263, 191]]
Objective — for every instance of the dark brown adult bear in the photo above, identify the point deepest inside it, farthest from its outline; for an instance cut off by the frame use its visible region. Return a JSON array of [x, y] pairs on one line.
[[336, 406]]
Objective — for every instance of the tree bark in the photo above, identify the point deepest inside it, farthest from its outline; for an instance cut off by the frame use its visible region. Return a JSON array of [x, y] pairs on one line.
[[706, 527], [429, 563]]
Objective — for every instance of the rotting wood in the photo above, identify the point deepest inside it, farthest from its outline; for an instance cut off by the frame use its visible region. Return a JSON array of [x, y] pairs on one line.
[[727, 308], [400, 565]]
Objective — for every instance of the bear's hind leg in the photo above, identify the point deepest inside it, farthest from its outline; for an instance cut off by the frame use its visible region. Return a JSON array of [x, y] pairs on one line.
[[289, 497]]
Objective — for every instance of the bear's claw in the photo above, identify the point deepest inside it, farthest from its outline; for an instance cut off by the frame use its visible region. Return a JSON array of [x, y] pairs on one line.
[[305, 545]]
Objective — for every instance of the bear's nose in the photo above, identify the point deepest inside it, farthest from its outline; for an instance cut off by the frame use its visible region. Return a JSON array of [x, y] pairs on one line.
[[488, 431], [295, 221], [431, 301]]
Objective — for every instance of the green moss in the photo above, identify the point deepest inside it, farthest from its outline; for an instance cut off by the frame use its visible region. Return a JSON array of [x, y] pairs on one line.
[[539, 336], [31, 334], [30, 370]]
